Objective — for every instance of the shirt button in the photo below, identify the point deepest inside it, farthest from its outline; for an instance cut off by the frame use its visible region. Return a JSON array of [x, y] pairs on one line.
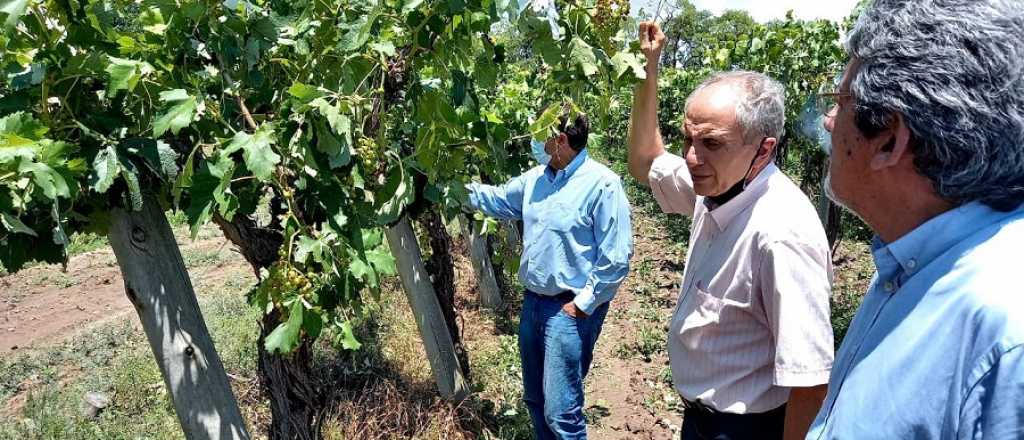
[[912, 264], [890, 286]]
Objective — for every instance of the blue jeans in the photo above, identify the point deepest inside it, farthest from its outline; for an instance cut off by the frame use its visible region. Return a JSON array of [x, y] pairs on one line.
[[556, 350]]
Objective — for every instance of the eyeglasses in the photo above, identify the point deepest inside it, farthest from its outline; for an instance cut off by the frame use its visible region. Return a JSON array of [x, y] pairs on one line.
[[826, 103]]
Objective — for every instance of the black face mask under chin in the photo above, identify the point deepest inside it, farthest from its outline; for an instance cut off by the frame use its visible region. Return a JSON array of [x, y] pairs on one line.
[[738, 188], [729, 194]]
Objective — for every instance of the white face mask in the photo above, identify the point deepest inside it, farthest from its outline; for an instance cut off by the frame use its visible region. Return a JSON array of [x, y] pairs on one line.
[[542, 157]]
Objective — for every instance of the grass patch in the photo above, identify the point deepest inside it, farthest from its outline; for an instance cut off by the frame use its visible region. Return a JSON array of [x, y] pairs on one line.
[[177, 219], [86, 242], [853, 271], [383, 391], [114, 359], [58, 279], [648, 341], [196, 258], [499, 376]]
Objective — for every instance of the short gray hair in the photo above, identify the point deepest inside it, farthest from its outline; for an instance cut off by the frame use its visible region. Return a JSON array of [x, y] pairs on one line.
[[954, 69], [761, 111]]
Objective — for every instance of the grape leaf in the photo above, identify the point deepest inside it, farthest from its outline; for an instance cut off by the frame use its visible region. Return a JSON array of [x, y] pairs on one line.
[[285, 338], [22, 125], [339, 153], [259, 157], [179, 115], [125, 74], [47, 179], [382, 261], [362, 270], [348, 337], [14, 224], [304, 93], [544, 126], [386, 48], [14, 9], [396, 194], [206, 188], [184, 179], [153, 21], [130, 174], [627, 63], [312, 323], [309, 247], [105, 168], [161, 159], [756, 44], [584, 57], [358, 33]]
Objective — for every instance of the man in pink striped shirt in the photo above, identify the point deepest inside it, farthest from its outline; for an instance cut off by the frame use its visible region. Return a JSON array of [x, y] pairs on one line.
[[750, 343]]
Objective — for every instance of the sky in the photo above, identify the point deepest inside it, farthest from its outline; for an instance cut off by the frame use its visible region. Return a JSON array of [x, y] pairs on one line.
[[766, 10]]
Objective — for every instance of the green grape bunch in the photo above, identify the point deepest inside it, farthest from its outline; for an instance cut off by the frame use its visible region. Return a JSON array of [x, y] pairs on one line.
[[285, 280], [369, 152], [608, 18]]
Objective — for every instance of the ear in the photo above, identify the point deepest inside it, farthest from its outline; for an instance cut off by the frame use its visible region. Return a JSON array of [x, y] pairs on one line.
[[896, 148], [764, 153], [563, 140], [767, 148]]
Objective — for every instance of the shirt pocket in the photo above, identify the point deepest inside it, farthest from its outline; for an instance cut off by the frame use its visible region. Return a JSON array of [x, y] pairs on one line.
[[699, 326]]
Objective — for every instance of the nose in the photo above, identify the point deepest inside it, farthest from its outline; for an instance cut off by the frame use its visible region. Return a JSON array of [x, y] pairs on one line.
[[691, 157], [830, 120]]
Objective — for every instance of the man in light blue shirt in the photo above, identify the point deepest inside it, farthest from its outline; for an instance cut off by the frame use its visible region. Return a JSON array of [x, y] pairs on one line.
[[577, 242], [928, 148]]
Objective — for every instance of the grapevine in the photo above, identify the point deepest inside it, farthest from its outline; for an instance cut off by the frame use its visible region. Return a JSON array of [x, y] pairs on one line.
[[609, 16]]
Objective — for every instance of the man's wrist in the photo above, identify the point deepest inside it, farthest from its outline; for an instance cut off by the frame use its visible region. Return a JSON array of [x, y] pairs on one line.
[[652, 67]]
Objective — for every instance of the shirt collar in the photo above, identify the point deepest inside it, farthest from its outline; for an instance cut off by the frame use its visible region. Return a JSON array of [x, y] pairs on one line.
[[723, 215], [927, 242], [569, 170]]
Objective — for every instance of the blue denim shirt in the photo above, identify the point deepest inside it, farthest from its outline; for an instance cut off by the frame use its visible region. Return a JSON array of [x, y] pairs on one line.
[[577, 234], [936, 350]]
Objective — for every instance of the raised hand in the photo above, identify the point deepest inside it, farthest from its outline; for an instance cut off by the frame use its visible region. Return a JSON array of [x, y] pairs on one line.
[[652, 41]]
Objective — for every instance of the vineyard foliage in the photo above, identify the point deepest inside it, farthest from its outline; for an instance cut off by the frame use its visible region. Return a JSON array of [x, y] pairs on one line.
[[335, 117]]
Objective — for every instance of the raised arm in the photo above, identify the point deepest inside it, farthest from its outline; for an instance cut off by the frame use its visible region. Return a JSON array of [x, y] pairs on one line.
[[665, 173], [645, 142]]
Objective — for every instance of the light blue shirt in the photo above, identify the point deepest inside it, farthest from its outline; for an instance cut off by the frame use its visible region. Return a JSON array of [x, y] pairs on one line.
[[935, 351], [576, 228]]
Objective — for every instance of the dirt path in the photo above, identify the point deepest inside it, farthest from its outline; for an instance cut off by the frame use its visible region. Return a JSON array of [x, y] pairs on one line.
[[43, 305], [629, 392]]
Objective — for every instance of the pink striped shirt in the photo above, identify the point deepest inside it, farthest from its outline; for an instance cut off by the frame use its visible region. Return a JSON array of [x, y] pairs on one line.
[[752, 320]]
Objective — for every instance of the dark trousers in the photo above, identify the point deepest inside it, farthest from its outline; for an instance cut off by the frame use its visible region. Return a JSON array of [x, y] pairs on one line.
[[704, 424]]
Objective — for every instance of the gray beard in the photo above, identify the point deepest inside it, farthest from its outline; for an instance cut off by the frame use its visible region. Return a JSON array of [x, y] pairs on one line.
[[831, 194]]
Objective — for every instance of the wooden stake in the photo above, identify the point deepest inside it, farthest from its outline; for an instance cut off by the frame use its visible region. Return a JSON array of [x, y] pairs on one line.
[[429, 318], [157, 283]]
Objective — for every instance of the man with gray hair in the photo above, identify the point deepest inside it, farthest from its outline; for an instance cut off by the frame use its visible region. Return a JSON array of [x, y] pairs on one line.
[[750, 343], [928, 148]]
